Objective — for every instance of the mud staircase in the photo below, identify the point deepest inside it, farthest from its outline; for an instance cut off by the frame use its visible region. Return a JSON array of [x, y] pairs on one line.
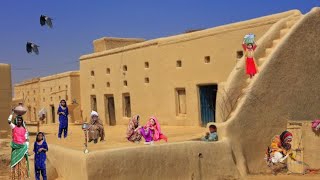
[[290, 22]]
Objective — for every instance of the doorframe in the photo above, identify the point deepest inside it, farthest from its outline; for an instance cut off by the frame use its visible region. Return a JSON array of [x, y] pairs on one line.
[[106, 109], [199, 100], [53, 114]]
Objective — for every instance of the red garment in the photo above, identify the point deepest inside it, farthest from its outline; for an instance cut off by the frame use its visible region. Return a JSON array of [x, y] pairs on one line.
[[250, 66]]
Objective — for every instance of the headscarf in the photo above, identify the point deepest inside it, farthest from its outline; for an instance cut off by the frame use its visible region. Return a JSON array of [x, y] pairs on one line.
[[133, 124], [284, 138], [94, 113], [157, 129], [43, 136], [63, 107]]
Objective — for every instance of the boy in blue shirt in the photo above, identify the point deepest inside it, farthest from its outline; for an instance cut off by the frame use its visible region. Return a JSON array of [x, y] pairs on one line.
[[212, 135]]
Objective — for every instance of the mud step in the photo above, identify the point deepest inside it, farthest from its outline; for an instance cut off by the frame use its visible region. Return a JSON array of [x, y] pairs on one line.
[[261, 60], [291, 23], [275, 42], [283, 32], [268, 51]]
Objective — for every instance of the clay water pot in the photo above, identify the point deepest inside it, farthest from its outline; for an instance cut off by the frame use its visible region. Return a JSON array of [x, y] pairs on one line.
[[20, 110]]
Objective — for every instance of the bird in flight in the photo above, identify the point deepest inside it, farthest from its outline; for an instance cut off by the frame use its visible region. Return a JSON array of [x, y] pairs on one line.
[[45, 20], [31, 47]]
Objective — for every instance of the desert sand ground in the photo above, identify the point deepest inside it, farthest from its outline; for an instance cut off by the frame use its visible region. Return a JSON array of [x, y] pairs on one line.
[[115, 138]]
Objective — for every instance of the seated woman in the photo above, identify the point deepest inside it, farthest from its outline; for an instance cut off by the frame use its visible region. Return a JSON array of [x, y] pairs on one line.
[[96, 128], [133, 133], [152, 131], [279, 150]]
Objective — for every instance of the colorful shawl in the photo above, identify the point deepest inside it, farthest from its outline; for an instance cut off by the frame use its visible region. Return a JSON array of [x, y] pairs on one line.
[[19, 151], [156, 129], [133, 124], [315, 125]]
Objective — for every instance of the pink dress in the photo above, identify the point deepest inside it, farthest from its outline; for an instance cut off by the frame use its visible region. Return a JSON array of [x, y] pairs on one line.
[[19, 134]]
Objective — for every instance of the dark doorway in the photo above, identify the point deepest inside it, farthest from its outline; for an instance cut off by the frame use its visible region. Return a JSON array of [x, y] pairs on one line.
[[53, 113], [126, 105], [110, 110], [93, 102], [208, 94]]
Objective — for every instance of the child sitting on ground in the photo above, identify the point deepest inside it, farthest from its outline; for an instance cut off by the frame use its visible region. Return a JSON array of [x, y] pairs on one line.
[[212, 135]]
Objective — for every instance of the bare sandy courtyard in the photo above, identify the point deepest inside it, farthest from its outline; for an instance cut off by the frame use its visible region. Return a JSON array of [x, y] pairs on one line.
[[115, 138]]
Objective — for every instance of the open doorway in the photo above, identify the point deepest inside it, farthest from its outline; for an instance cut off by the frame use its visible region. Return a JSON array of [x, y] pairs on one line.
[[93, 102], [53, 113], [208, 94], [126, 105], [110, 113], [34, 114]]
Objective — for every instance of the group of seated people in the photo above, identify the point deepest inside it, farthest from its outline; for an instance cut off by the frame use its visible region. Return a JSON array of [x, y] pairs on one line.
[[151, 131]]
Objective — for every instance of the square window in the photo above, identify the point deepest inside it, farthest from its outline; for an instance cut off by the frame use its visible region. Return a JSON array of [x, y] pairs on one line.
[[239, 54], [146, 80], [179, 63], [146, 65], [125, 68], [207, 59]]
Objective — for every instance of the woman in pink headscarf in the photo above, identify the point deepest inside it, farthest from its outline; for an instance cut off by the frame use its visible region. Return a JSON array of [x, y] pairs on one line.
[[153, 127]]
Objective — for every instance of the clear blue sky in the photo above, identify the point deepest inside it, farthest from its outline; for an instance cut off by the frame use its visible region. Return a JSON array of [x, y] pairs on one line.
[[77, 23]]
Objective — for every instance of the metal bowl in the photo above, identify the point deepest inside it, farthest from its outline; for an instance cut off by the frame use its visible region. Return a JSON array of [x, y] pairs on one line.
[[85, 126]]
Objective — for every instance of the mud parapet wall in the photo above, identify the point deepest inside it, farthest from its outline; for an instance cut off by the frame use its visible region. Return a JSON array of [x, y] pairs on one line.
[[286, 88], [66, 163], [186, 160], [5, 97]]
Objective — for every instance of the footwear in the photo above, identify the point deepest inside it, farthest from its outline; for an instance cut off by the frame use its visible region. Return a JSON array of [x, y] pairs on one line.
[[95, 141], [147, 143], [102, 140]]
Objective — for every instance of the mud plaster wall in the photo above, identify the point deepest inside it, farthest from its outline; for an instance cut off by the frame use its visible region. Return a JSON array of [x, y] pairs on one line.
[[287, 88], [168, 161], [311, 144], [158, 96], [5, 96], [67, 163]]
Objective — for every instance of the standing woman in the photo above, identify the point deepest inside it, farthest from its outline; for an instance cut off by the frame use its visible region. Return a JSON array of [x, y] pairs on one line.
[[19, 155], [63, 118], [249, 46]]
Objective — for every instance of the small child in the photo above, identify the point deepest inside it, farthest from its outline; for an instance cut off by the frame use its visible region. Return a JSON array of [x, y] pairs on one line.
[[212, 135], [40, 149]]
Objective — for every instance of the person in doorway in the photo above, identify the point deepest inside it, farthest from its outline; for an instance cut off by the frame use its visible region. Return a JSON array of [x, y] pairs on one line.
[[212, 135], [133, 130], [63, 113], [20, 143], [96, 128], [40, 148], [152, 131], [249, 49]]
